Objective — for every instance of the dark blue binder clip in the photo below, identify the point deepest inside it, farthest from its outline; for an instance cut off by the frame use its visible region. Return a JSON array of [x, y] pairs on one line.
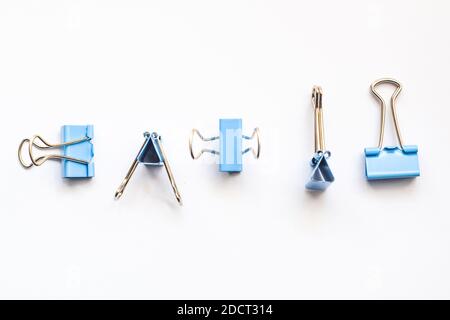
[[151, 154], [393, 162], [78, 151], [231, 150], [321, 176]]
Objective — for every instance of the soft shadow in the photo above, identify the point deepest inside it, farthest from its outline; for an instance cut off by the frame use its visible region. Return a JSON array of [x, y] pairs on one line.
[[390, 183], [219, 178], [75, 182], [314, 194]]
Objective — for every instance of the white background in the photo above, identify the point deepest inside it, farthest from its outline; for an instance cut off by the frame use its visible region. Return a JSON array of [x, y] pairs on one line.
[[169, 66]]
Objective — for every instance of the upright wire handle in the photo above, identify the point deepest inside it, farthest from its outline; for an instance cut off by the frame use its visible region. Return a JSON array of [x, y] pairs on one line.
[[383, 108], [46, 145], [319, 132]]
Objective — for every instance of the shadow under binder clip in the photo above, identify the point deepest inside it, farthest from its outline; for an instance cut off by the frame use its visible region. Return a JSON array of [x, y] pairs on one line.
[[392, 162], [77, 155], [230, 139], [321, 176], [150, 154]]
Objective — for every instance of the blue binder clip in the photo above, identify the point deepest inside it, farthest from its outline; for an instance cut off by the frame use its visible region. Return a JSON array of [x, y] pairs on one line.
[[78, 151], [321, 176], [151, 154], [230, 141], [392, 162]]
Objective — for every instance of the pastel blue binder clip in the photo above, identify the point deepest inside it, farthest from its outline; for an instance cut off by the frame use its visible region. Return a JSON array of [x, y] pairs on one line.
[[321, 175], [77, 145], [78, 151], [392, 162], [230, 142], [151, 154]]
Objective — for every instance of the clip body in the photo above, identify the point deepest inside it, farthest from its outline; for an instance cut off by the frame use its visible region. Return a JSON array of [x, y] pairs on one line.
[[151, 154], [83, 150], [391, 162], [321, 176], [78, 151], [231, 146]]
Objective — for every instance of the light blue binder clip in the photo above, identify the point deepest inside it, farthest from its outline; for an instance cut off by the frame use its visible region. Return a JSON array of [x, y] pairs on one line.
[[392, 162], [151, 154], [321, 176], [230, 141], [78, 151]]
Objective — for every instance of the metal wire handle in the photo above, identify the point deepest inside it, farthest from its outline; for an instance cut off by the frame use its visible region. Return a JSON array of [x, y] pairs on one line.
[[191, 140], [319, 132], [129, 174], [169, 172], [256, 152], [383, 108], [157, 139], [46, 145]]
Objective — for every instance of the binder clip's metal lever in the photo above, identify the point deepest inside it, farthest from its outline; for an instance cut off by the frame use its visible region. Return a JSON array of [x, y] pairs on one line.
[[392, 162], [77, 151], [195, 156], [151, 154], [321, 176], [383, 109], [231, 151]]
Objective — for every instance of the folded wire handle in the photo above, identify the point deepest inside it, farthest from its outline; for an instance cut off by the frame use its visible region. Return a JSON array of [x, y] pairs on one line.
[[256, 152], [195, 156], [46, 145], [383, 108], [319, 134]]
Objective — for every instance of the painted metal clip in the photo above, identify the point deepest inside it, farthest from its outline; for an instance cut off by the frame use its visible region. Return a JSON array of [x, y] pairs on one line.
[[321, 175], [230, 140], [78, 151], [151, 154], [391, 162]]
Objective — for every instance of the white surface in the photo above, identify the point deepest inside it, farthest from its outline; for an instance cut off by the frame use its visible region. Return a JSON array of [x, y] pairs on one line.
[[131, 66]]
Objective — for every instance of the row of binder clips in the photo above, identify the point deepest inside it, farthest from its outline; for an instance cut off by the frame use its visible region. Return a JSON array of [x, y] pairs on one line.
[[381, 162]]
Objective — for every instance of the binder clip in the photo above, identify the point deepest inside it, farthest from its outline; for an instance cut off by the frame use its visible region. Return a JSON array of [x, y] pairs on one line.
[[230, 140], [321, 176], [151, 154], [392, 162], [77, 155]]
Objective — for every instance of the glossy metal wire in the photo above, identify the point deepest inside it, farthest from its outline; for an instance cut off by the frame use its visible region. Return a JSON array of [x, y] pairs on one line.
[[135, 163], [128, 176], [256, 152], [169, 172], [36, 141], [319, 132], [191, 140], [383, 108]]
